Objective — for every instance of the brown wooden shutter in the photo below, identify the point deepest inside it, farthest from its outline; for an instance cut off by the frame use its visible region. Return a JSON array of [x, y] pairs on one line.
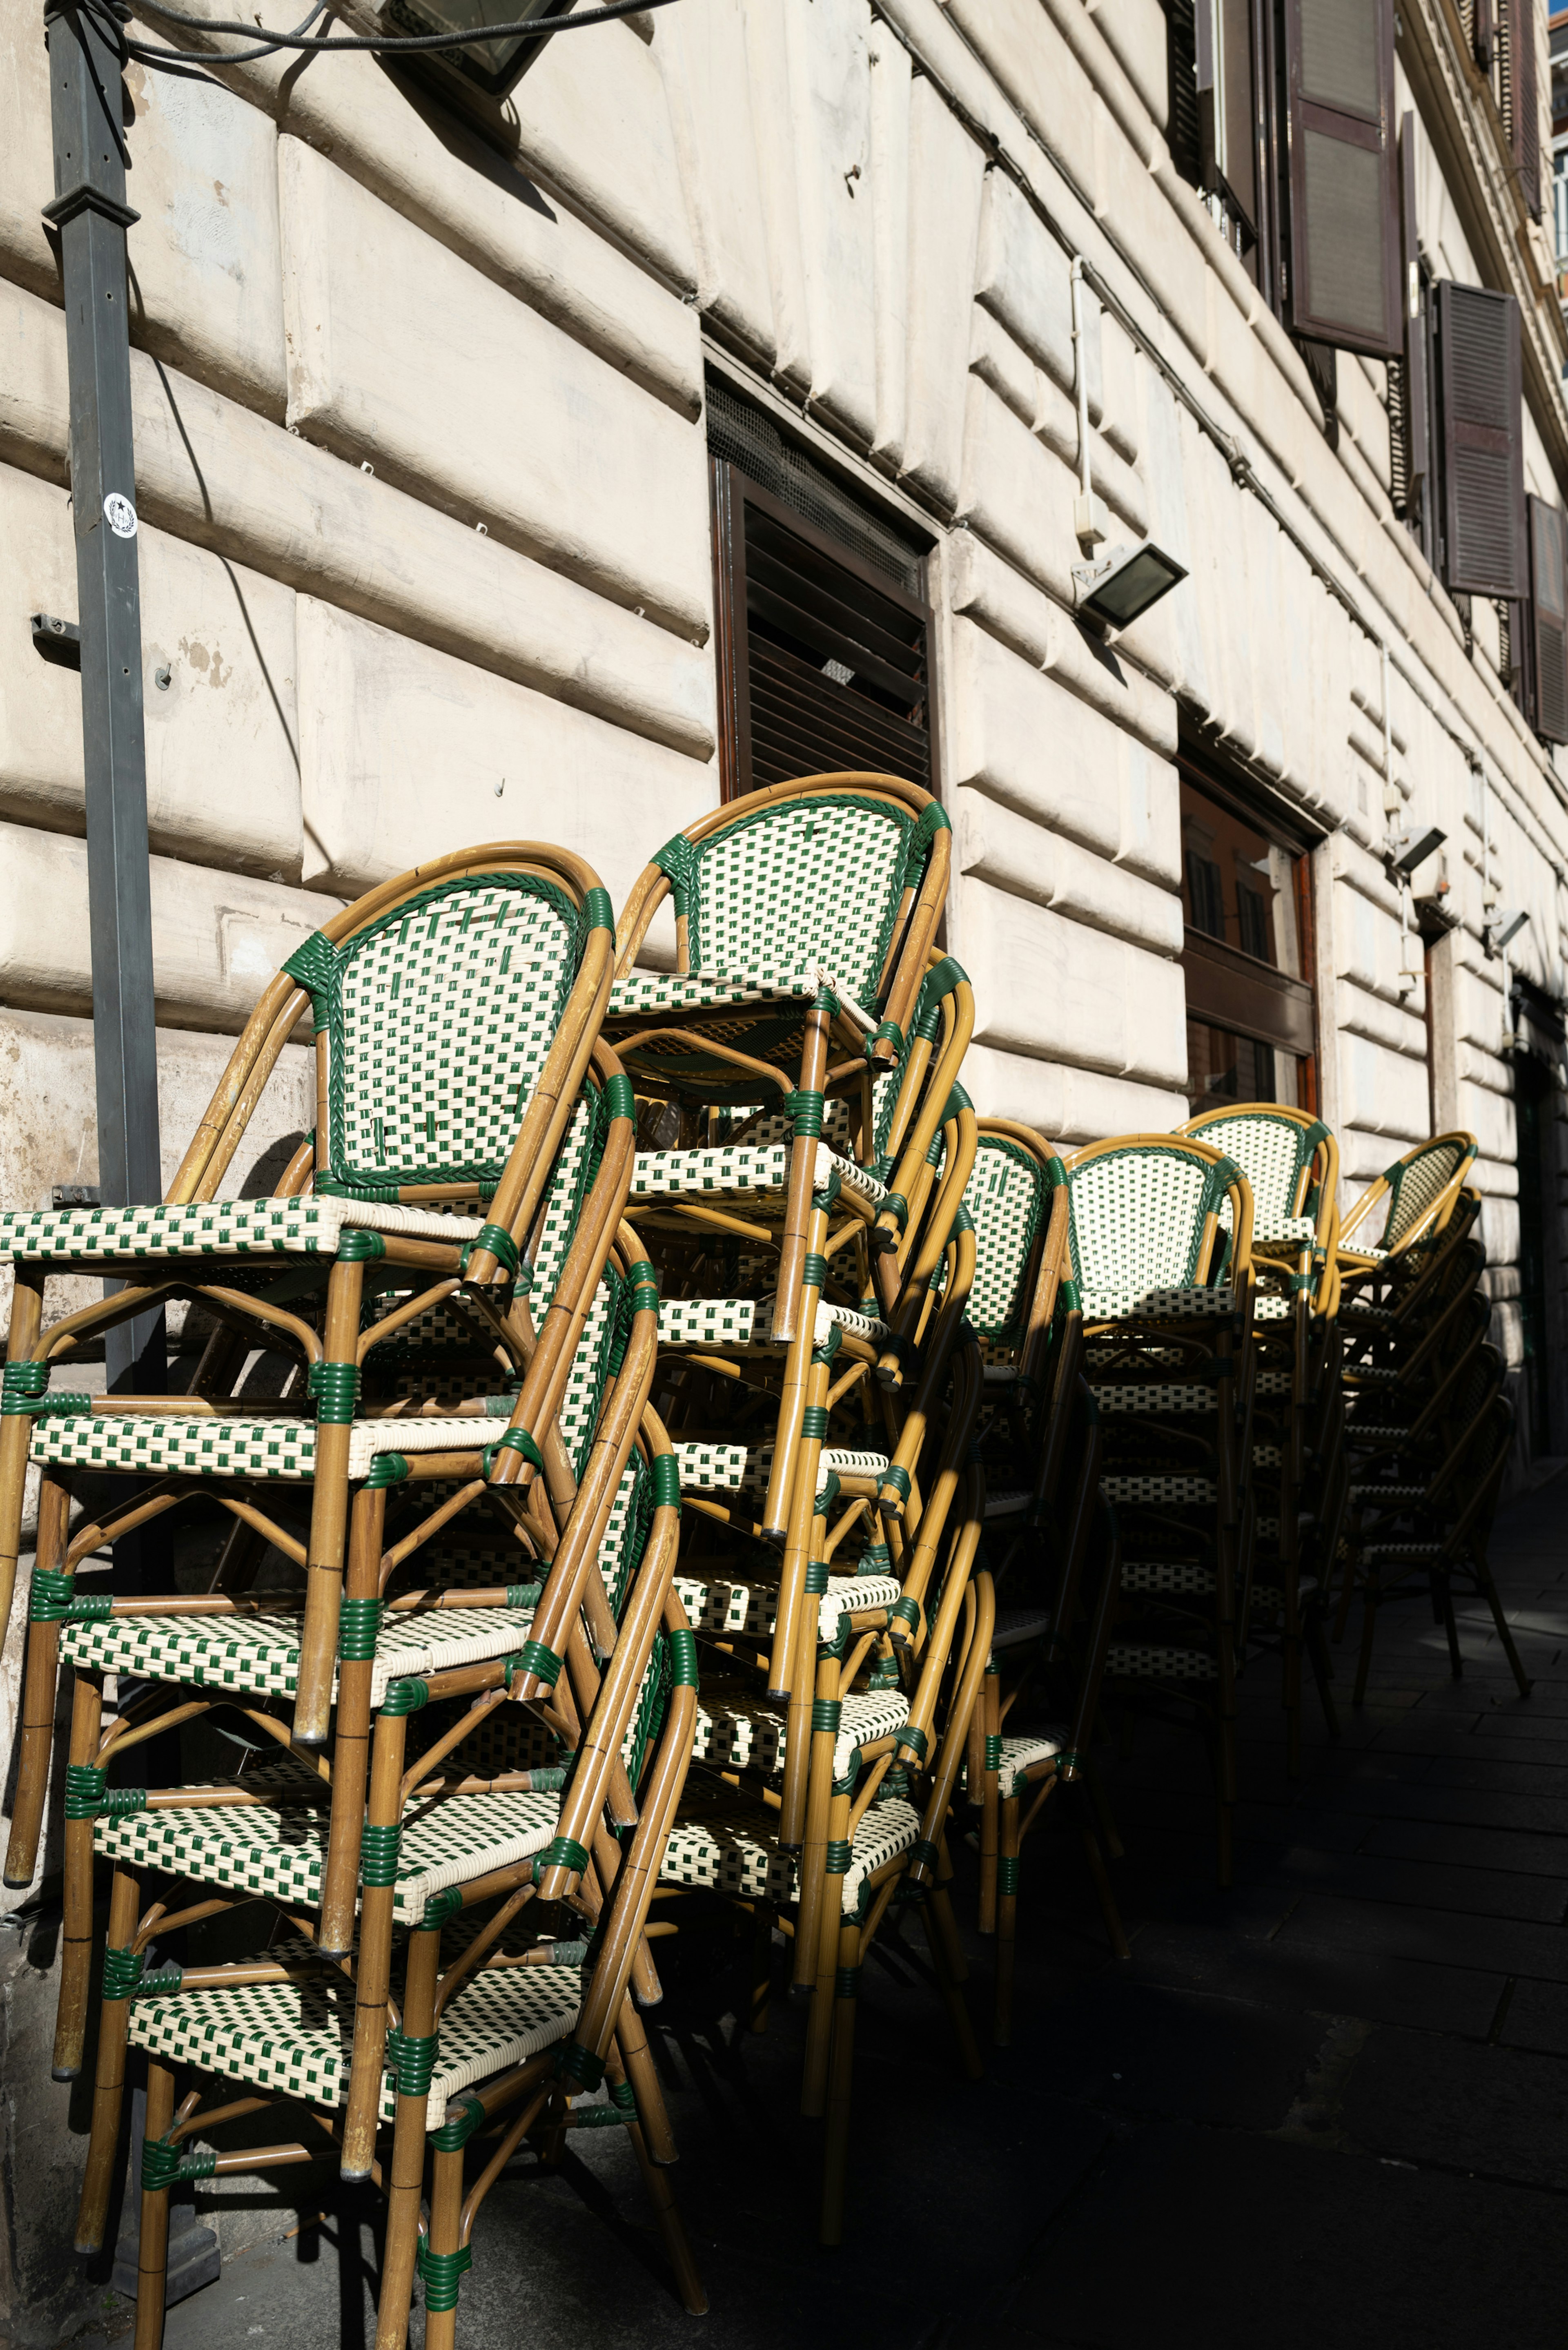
[[1343, 185], [1418, 448], [1524, 109], [1483, 33], [1483, 440], [1225, 76], [1549, 593]]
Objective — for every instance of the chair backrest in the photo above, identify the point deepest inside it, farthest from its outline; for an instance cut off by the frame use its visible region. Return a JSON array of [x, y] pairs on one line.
[[821, 873], [1418, 1188], [1276, 1149], [1008, 1197], [439, 1017], [1145, 1210], [446, 1003]]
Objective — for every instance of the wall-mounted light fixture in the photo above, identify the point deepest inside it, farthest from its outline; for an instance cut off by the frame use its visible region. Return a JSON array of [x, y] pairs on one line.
[[1502, 927], [489, 66], [1119, 585], [1406, 851], [1110, 589]]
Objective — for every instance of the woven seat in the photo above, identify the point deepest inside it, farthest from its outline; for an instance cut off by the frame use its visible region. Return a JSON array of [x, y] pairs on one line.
[[740, 1731], [743, 1468], [259, 1655], [716, 1321], [1179, 1491], [215, 1228], [279, 1854], [1145, 1661], [725, 1603], [727, 1843], [1177, 1576], [1005, 1502], [1134, 1398], [1177, 1304], [221, 1446], [1017, 1627], [1389, 1496], [294, 2040], [751, 1170], [1023, 1756], [643, 994]]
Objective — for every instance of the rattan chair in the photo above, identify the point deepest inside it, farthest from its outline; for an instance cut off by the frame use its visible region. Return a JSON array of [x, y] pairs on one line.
[[1165, 1292], [494, 2046], [1290, 1160], [1418, 1537]]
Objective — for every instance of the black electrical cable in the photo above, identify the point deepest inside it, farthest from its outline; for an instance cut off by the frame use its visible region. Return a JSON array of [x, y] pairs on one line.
[[230, 57], [538, 28]]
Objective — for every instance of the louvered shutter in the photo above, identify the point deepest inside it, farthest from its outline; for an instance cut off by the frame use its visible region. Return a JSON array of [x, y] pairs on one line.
[[1483, 440], [1549, 591], [1525, 108], [1226, 114], [1418, 453], [1343, 283]]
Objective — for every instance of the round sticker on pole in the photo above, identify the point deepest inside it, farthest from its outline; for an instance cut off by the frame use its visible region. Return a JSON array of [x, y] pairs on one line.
[[119, 515]]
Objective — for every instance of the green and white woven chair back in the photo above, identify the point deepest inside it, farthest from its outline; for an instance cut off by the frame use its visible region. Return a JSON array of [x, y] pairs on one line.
[[814, 883], [1272, 1154], [1138, 1220], [1415, 1182], [438, 1019], [1008, 1197]]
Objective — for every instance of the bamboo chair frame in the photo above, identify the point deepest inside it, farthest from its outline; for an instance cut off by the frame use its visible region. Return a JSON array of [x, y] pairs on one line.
[[1223, 1345], [335, 1358], [607, 2039]]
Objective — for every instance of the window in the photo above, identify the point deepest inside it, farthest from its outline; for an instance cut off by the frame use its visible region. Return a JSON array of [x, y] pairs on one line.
[[1289, 133], [1248, 951], [823, 635]]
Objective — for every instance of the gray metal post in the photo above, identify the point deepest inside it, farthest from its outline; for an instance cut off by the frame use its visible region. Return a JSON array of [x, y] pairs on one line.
[[90, 214]]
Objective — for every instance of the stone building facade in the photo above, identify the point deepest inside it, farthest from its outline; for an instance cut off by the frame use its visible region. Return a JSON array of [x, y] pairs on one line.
[[426, 451]]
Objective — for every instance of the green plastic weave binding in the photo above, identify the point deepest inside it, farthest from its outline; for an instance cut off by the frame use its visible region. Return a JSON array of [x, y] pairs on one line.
[[21, 1385], [49, 1600], [441, 2273], [378, 1847], [359, 1627]]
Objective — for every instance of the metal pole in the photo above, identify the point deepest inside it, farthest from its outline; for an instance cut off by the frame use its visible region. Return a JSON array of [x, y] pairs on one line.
[[86, 52]]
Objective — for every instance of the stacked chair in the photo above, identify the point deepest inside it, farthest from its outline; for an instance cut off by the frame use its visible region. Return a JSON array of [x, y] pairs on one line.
[[658, 1462]]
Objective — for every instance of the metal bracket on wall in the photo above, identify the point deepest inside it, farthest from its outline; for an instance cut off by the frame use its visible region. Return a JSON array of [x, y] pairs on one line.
[[59, 642]]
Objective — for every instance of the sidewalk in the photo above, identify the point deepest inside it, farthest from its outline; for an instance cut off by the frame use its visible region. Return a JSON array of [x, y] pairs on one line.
[[1329, 2106]]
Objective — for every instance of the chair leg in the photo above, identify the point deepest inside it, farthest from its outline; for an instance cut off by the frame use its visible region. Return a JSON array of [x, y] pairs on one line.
[[16, 1428], [1488, 1592], [76, 1932], [938, 1932], [1099, 1875], [760, 1982], [439, 2257], [1322, 1670], [109, 2088], [632, 2039], [1369, 1601], [408, 2170], [36, 1746], [351, 1746], [1456, 1662], [661, 2196], [152, 2254], [819, 2024], [1008, 1867], [329, 1516], [836, 2153], [989, 1712]]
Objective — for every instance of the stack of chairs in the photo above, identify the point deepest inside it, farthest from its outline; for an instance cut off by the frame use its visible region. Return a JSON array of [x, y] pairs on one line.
[[711, 1477], [460, 1507]]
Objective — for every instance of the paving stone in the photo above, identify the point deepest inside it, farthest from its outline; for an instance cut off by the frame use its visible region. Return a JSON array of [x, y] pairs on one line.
[[1495, 2112]]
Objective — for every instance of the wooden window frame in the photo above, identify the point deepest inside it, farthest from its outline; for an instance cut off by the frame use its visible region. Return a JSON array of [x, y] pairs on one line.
[[1235, 991], [733, 490]]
